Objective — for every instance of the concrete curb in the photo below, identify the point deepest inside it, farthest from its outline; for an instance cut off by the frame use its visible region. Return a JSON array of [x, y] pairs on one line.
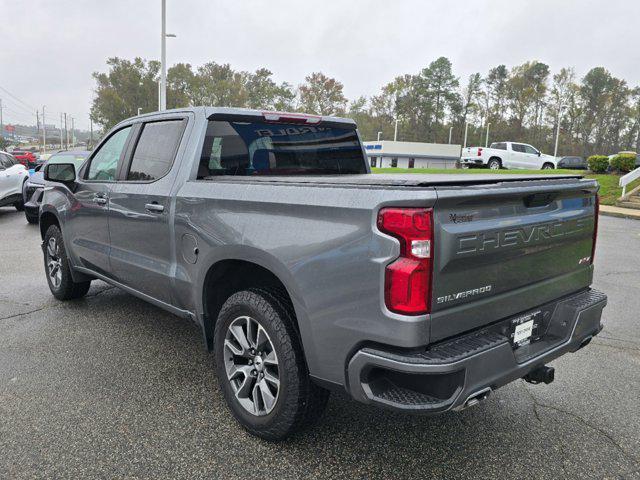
[[619, 212]]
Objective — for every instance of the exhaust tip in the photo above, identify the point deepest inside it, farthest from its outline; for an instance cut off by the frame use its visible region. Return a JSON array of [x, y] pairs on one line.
[[475, 399]]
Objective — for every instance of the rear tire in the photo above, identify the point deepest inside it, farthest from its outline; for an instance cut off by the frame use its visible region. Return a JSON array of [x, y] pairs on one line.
[[261, 367], [57, 269], [494, 164]]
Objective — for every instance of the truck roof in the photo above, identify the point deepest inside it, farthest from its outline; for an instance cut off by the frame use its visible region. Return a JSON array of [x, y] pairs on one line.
[[208, 111]]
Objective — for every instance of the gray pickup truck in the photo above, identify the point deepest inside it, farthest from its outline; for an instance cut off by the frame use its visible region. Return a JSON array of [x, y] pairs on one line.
[[306, 273]]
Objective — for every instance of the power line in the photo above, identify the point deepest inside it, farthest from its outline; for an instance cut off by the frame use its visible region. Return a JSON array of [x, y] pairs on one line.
[[32, 108], [27, 108], [16, 105]]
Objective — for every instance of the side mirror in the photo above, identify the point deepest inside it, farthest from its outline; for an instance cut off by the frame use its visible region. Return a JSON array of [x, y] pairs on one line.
[[539, 153], [60, 172]]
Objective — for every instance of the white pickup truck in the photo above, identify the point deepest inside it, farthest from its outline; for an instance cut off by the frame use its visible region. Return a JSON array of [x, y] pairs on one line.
[[507, 155]]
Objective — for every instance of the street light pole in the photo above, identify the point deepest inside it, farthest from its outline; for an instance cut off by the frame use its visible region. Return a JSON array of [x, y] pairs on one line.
[[486, 140], [450, 132], [555, 150], [379, 135], [163, 59], [395, 132], [162, 103]]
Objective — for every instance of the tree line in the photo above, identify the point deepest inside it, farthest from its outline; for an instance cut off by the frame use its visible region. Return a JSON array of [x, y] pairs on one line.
[[598, 113]]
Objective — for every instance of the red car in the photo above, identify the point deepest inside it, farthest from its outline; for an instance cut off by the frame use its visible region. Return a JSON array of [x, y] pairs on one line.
[[26, 158]]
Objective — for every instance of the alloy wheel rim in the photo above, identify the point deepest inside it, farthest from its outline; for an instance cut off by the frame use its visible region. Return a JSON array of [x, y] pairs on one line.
[[251, 364], [54, 265]]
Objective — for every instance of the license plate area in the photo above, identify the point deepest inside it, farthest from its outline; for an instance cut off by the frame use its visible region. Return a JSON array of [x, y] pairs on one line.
[[525, 329]]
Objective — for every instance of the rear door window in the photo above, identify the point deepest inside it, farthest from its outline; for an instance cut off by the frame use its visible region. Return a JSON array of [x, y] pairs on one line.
[[273, 148], [104, 163], [516, 147], [155, 150]]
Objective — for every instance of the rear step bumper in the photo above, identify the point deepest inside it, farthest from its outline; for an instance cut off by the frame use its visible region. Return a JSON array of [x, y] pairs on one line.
[[460, 372]]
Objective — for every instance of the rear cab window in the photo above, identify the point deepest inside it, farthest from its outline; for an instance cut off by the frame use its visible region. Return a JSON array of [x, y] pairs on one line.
[[259, 147]]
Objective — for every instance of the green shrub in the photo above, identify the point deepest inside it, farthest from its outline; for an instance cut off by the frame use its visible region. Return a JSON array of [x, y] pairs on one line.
[[624, 162], [598, 163]]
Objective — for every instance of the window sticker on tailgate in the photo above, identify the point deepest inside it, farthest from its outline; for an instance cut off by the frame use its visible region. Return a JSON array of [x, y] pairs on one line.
[[524, 328]]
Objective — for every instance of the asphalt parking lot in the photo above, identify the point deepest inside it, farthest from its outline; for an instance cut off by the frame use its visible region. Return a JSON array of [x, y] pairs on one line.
[[109, 386]]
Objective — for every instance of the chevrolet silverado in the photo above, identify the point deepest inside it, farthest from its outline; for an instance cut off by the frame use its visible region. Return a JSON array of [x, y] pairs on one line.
[[306, 273]]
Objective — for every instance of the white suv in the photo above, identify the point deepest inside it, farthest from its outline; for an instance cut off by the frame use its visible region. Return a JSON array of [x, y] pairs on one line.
[[12, 176]]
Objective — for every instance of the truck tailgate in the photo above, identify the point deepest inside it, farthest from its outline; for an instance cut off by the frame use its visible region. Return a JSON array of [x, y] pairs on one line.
[[503, 249]]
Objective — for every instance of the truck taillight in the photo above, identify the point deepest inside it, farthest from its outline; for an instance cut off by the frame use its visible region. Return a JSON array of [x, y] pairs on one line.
[[595, 227], [480, 152], [407, 287]]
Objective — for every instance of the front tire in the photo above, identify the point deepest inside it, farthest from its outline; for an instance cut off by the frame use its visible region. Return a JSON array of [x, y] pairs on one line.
[[261, 367], [58, 270], [19, 206], [548, 166]]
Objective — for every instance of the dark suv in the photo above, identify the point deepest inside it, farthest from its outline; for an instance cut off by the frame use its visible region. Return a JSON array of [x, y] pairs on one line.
[[34, 186]]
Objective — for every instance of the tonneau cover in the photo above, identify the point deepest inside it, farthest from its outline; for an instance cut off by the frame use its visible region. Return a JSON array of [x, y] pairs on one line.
[[395, 179]]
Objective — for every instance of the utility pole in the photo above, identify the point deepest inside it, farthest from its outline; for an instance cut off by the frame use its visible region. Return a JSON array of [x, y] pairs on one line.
[[486, 140], [38, 124], [450, 132], [1, 124], [61, 140], [395, 132], [73, 132], [555, 150], [66, 132], [44, 132], [90, 133]]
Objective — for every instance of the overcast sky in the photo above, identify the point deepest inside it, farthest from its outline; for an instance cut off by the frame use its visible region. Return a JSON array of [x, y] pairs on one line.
[[48, 50]]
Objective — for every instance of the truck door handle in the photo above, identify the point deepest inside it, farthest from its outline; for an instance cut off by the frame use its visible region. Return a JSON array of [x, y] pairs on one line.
[[99, 200], [154, 207]]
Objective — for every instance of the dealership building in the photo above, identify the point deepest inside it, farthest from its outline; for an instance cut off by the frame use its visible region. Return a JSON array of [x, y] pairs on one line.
[[385, 154]]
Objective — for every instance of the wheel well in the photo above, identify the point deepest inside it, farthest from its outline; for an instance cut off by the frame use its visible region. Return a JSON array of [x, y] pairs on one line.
[[548, 163], [46, 220], [228, 277], [496, 158]]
